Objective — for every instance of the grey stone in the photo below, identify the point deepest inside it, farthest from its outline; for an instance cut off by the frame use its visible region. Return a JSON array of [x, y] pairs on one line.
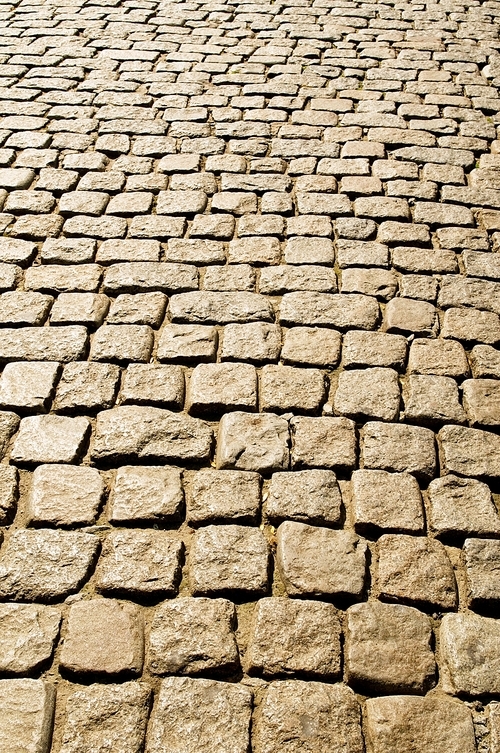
[[336, 310], [28, 635], [62, 495], [28, 387], [284, 388], [193, 636], [148, 433], [153, 384], [224, 497], [103, 637], [139, 563], [461, 506], [186, 343], [408, 724], [208, 715], [396, 447], [291, 638], [305, 717], [26, 715], [101, 716], [218, 388], [43, 344], [383, 501], [50, 439], [324, 442], [252, 442], [305, 496], [388, 648], [469, 658], [45, 565], [229, 559], [415, 570], [469, 452], [311, 346], [368, 393], [321, 562], [255, 342], [219, 308], [146, 493]]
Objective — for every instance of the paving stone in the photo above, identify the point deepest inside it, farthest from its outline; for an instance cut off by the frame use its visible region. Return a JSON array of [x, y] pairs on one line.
[[361, 349], [323, 442], [461, 506], [142, 308], [311, 346], [305, 496], [409, 316], [193, 636], [482, 401], [383, 501], [8, 493], [146, 493], [439, 357], [63, 495], [29, 633], [252, 442], [186, 343], [153, 384], [485, 362], [50, 439], [433, 399], [294, 638], [368, 393], [255, 342], [28, 387], [143, 432], [283, 388], [224, 497], [307, 716], [469, 452], [26, 714], [415, 570], [217, 388], [219, 308], [139, 563], [320, 562], [396, 447], [419, 725], [86, 386], [481, 563], [103, 715], [88, 309], [211, 715], [18, 308], [103, 637], [469, 654], [45, 565], [228, 559], [342, 311], [471, 326], [388, 648], [121, 343]]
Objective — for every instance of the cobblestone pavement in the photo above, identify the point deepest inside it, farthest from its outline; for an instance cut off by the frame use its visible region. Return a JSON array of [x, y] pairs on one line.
[[250, 399]]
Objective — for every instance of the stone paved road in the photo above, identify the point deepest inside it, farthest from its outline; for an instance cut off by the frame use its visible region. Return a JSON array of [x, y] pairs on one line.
[[250, 398]]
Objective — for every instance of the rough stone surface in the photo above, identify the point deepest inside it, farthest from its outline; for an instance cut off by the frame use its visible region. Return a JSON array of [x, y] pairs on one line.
[[298, 716], [383, 501], [388, 648], [305, 496], [150, 493], [461, 506], [252, 443], [469, 654], [224, 497], [62, 495], [28, 635], [26, 714]]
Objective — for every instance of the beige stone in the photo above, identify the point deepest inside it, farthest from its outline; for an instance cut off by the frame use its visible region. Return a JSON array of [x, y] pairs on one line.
[[151, 493], [383, 501], [252, 442], [305, 496], [469, 452], [62, 495], [28, 633], [460, 506], [469, 657], [26, 714], [324, 442], [397, 447]]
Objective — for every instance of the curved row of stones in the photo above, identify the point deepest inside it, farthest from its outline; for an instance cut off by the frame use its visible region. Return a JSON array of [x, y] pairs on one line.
[[250, 376]]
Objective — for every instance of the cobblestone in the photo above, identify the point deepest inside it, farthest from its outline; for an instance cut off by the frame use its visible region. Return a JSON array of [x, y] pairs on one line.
[[249, 376]]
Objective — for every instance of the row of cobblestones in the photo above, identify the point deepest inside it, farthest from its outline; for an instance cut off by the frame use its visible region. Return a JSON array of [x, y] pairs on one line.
[[250, 376]]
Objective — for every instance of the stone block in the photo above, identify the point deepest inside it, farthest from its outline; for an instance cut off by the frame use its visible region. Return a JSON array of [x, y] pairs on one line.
[[114, 716], [284, 388], [28, 387], [388, 649], [305, 496], [320, 562], [368, 393], [184, 343], [252, 442], [304, 717], [26, 715], [432, 400], [140, 563], [62, 495], [8, 493], [205, 714], [311, 346], [229, 559], [482, 562], [45, 565], [50, 439], [383, 501], [415, 570], [146, 433], [396, 447], [224, 497], [256, 342], [376, 349], [294, 638], [469, 658], [28, 633], [469, 452], [408, 724], [193, 636], [438, 357], [324, 442], [87, 387], [482, 401], [461, 506], [146, 493], [104, 637], [218, 388]]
